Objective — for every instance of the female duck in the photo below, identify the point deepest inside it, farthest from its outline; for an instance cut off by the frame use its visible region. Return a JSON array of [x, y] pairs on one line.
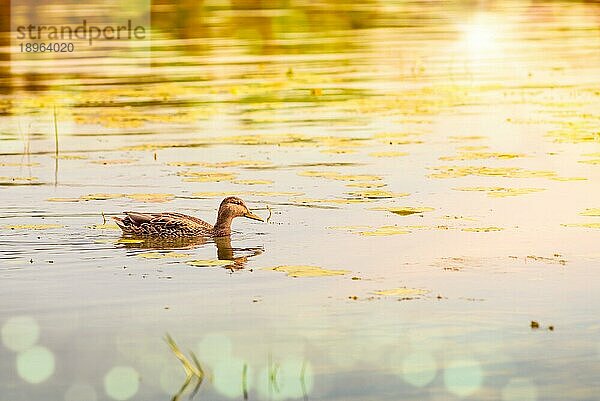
[[181, 225]]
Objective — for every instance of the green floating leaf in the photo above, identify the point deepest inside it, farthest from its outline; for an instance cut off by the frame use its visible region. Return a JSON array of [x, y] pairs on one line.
[[508, 172], [306, 271], [482, 155], [501, 192], [482, 229], [385, 231], [33, 226], [160, 255], [104, 227], [585, 225], [591, 212], [252, 182], [405, 211], [376, 194], [402, 292], [333, 175]]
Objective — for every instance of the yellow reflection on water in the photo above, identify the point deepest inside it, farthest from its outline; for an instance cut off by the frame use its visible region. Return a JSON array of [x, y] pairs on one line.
[[482, 43]]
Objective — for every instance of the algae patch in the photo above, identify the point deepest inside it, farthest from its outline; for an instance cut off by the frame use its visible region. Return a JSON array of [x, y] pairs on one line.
[[500, 192], [402, 292], [306, 271], [405, 211], [160, 255], [32, 226]]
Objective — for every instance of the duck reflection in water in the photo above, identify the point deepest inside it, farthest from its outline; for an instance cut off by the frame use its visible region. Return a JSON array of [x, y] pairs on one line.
[[239, 256]]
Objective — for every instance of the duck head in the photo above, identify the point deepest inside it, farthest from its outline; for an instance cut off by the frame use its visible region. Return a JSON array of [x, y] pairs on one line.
[[232, 207]]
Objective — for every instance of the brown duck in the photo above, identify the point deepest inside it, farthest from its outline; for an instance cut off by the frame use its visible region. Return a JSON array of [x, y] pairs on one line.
[[180, 225]]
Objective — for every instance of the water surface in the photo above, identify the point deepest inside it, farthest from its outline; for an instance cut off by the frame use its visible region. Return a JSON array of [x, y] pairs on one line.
[[442, 158]]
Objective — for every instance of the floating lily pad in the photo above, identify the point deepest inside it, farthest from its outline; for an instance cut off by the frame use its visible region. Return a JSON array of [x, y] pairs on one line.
[[100, 196], [306, 271], [568, 178], [105, 227], [70, 157], [161, 255], [501, 192], [333, 175], [509, 172], [481, 229], [466, 138], [153, 198], [472, 148], [210, 262], [18, 180], [33, 226], [402, 292], [572, 133], [233, 163], [591, 212], [206, 176], [585, 225], [377, 194], [482, 155], [590, 161], [63, 199], [312, 201], [405, 211], [338, 151], [385, 231], [252, 182], [108, 162], [366, 185], [19, 164]]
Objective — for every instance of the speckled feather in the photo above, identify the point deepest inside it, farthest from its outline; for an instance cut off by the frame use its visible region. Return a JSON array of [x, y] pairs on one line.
[[164, 225]]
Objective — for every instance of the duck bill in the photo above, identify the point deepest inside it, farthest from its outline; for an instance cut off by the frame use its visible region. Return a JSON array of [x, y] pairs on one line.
[[253, 216]]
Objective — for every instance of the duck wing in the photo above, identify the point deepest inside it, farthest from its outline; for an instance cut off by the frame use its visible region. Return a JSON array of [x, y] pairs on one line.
[[163, 224]]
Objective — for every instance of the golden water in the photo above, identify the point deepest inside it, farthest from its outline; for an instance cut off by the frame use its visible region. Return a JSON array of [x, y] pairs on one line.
[[328, 117]]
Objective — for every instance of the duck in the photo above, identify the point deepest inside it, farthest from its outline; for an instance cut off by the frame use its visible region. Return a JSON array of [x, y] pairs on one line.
[[177, 225]]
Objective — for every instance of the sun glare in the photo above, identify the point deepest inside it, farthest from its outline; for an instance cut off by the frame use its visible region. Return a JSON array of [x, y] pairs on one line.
[[480, 37]]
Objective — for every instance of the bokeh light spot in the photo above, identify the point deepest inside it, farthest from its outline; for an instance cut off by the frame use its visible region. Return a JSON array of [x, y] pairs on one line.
[[292, 379], [20, 333], [519, 389], [81, 392], [35, 365], [419, 369], [121, 382], [463, 377], [213, 348], [228, 377]]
